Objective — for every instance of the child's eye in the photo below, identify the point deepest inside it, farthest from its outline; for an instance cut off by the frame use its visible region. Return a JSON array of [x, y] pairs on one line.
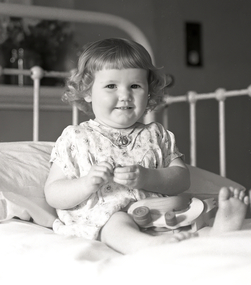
[[135, 86], [110, 86]]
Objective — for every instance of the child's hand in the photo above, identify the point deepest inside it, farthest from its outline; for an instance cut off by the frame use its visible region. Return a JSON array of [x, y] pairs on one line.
[[132, 176], [99, 174]]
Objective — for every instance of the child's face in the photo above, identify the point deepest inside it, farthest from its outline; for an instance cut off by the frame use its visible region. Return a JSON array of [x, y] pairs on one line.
[[119, 97]]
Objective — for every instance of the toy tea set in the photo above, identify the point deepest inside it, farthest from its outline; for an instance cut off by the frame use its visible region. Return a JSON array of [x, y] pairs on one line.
[[173, 213]]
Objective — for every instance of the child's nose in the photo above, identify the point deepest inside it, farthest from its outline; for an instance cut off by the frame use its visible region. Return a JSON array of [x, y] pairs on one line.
[[125, 95]]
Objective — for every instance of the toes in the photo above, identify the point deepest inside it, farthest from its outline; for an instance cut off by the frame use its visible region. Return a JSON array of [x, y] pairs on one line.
[[228, 192], [225, 193], [239, 193], [232, 191], [246, 200], [183, 236], [236, 193], [242, 195]]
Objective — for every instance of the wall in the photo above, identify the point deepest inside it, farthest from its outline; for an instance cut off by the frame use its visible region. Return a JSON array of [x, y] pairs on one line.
[[139, 12], [226, 42]]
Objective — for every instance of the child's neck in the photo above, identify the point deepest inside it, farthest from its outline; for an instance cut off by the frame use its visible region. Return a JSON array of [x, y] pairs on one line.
[[125, 130]]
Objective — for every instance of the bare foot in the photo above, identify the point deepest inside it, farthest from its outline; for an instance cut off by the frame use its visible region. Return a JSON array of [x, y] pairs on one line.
[[168, 238], [232, 210]]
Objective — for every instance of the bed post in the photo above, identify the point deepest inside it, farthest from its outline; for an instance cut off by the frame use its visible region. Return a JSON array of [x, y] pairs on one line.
[[191, 97], [220, 96], [36, 75]]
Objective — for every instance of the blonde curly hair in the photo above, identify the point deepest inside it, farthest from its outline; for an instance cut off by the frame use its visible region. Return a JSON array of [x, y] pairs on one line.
[[113, 53]]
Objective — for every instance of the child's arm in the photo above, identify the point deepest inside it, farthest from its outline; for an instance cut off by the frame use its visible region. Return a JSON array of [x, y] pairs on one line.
[[171, 180], [63, 193]]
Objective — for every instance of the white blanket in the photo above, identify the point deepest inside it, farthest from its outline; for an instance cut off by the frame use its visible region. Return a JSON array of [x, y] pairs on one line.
[[32, 254]]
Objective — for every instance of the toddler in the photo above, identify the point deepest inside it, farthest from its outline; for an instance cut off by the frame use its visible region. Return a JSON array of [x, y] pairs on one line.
[[103, 165]]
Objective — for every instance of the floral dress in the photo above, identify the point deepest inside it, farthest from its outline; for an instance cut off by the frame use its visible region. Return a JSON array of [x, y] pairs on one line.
[[79, 147]]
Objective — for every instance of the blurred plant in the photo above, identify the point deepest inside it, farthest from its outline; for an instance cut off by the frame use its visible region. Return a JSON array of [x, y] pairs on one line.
[[50, 39]]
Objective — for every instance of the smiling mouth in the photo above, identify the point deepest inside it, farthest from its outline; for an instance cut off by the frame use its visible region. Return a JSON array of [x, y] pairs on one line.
[[124, 108]]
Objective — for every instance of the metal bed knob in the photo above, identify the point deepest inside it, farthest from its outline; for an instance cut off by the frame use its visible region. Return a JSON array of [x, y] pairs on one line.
[[37, 72]]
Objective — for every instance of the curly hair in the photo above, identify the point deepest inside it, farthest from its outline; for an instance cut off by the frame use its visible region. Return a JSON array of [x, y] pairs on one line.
[[113, 53]]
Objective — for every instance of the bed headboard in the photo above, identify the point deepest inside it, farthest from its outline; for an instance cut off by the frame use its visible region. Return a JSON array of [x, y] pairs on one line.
[[135, 33], [36, 73]]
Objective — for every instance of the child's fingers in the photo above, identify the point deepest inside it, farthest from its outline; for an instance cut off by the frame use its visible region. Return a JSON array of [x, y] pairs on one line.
[[106, 165], [96, 180], [125, 175], [125, 169], [125, 178], [128, 183], [100, 173]]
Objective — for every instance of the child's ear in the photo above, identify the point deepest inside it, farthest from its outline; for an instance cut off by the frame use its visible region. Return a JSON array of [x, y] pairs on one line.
[[88, 98]]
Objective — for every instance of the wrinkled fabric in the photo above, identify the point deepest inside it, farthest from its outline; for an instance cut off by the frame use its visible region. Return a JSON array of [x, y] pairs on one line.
[[79, 147]]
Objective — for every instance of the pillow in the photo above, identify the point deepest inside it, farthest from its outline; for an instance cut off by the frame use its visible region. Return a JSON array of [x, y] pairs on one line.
[[24, 168], [205, 184]]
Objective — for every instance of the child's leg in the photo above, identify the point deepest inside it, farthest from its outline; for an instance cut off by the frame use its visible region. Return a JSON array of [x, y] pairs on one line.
[[232, 211], [123, 235], [14, 205]]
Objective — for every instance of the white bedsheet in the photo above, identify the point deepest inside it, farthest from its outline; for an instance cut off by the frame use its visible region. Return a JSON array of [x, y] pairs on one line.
[[32, 254]]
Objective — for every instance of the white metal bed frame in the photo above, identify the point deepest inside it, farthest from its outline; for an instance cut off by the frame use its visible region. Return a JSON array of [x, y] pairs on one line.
[[37, 73]]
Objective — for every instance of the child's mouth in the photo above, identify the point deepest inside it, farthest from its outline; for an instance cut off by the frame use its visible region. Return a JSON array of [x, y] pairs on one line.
[[124, 108]]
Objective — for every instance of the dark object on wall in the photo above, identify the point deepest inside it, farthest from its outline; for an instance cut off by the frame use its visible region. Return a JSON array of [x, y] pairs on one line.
[[193, 44]]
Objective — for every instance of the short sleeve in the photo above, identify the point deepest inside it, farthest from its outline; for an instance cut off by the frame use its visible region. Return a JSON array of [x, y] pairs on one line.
[[64, 153], [168, 146]]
